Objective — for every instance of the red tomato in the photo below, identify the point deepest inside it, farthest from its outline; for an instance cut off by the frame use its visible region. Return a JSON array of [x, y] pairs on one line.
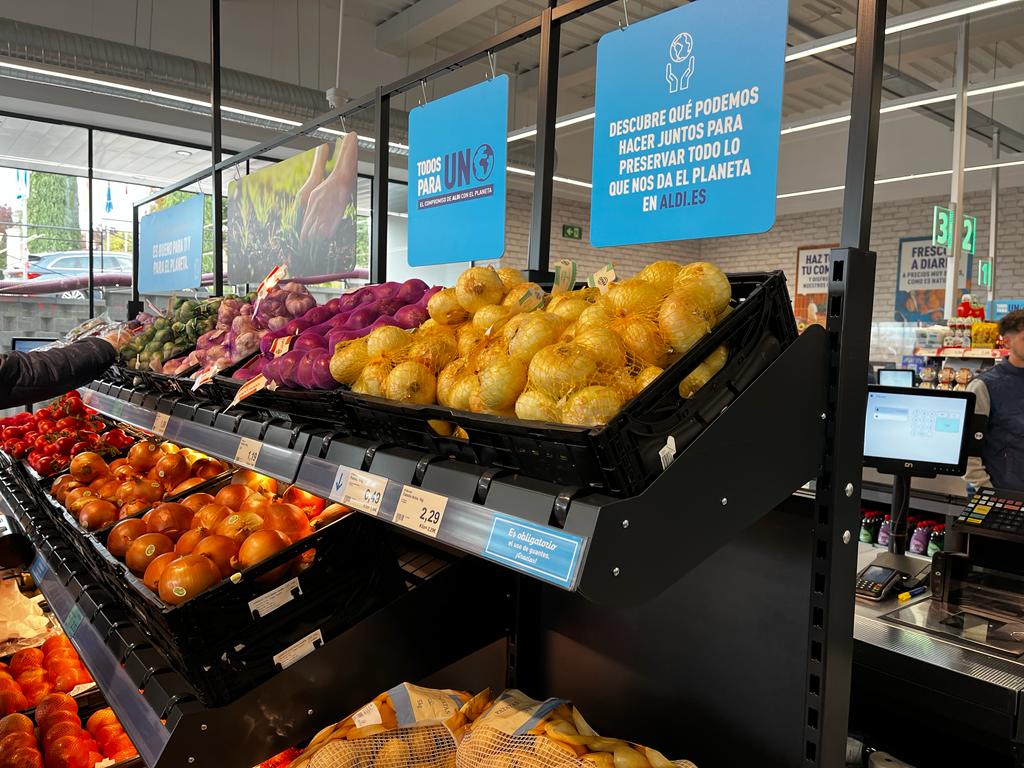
[[80, 447], [69, 422], [91, 438], [23, 418], [42, 441], [19, 449], [30, 437], [118, 439], [45, 426], [13, 433], [65, 445]]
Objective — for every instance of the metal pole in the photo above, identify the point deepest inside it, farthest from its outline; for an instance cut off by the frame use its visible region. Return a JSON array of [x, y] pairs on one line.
[[837, 488], [544, 157], [956, 193], [92, 277], [993, 224], [379, 195], [215, 150], [135, 305]]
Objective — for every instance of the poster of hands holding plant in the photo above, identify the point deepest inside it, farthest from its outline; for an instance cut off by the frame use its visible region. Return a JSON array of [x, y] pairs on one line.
[[300, 212]]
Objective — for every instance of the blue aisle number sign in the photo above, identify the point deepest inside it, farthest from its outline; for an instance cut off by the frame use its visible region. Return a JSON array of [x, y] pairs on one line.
[[686, 132], [457, 176], [171, 247]]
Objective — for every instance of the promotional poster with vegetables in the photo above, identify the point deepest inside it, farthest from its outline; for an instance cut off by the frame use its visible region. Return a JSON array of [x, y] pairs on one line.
[[300, 212]]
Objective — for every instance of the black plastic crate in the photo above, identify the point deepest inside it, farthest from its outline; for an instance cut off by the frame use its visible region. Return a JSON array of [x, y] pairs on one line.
[[313, 404], [622, 457], [217, 642]]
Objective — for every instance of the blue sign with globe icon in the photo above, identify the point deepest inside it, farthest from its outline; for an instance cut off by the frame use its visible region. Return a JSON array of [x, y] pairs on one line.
[[457, 160], [688, 109]]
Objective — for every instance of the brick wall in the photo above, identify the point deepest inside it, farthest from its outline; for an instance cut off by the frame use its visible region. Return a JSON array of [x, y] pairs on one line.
[[777, 248]]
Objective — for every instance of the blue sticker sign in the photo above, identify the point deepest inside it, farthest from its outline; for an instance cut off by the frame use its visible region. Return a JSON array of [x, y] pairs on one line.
[[536, 550], [457, 151], [171, 247], [1000, 308], [686, 129]]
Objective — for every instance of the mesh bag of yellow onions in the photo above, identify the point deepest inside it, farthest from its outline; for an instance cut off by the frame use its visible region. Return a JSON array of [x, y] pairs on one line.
[[519, 732], [406, 727]]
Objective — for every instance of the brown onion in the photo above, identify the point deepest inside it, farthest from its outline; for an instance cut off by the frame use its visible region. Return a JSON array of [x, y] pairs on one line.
[[97, 514], [144, 455], [145, 549], [87, 466], [257, 503], [188, 540], [151, 578], [185, 486], [206, 468], [133, 508], [238, 527], [233, 495], [258, 547], [220, 550], [187, 577], [170, 519], [255, 481], [196, 501], [210, 515], [123, 534], [289, 520], [172, 469], [312, 504]]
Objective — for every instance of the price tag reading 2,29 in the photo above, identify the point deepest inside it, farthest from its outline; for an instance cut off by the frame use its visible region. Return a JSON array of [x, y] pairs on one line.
[[420, 510], [248, 452], [364, 492]]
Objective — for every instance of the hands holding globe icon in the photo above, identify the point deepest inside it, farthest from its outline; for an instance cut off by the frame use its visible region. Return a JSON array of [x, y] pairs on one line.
[[680, 52]]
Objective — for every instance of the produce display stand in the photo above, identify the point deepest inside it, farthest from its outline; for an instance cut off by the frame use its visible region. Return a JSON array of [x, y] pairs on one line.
[[709, 615]]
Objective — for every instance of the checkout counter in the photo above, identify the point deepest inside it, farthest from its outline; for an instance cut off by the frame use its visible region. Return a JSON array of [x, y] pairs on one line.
[[938, 679]]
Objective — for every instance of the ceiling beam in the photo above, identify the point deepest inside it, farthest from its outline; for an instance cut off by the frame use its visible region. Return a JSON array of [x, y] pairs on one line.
[[425, 20]]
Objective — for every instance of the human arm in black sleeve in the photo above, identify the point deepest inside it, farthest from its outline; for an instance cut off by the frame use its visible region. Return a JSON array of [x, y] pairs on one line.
[[28, 377]]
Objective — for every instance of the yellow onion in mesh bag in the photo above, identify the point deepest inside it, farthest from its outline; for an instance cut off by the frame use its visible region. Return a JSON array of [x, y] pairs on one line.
[[477, 287], [501, 382], [492, 318], [348, 360], [411, 382], [591, 406], [684, 319], [605, 346], [433, 350], [446, 381], [444, 308], [387, 339], [631, 297], [510, 277], [467, 338], [702, 374], [531, 334], [462, 391], [372, 380], [643, 339], [560, 368], [569, 309], [646, 376], [710, 282], [660, 274], [534, 405], [593, 316]]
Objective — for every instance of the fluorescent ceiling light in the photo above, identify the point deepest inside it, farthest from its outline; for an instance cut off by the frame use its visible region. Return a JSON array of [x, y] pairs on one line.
[[966, 8], [814, 50], [529, 133], [815, 124], [995, 88]]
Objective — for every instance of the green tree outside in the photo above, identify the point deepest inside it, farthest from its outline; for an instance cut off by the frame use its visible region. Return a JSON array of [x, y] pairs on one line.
[[52, 213]]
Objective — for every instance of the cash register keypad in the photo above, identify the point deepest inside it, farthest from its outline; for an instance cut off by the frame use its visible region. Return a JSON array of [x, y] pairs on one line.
[[994, 510]]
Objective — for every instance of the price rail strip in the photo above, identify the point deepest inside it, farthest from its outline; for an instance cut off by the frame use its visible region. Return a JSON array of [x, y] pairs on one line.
[[279, 463], [549, 554]]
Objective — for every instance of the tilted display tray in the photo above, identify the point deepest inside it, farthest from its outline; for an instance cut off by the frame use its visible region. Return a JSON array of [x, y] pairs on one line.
[[223, 641], [625, 455]]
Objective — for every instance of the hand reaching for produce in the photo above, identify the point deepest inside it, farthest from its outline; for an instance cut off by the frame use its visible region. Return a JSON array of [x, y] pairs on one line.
[[327, 203], [316, 176]]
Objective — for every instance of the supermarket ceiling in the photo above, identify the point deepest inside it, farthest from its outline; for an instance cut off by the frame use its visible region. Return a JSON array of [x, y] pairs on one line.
[[283, 55]]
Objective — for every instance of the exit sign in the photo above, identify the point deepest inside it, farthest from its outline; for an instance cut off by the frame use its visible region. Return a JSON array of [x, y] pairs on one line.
[[943, 227], [572, 232]]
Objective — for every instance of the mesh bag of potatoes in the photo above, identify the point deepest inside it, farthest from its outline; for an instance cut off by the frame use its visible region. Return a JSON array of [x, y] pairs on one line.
[[519, 732], [405, 727], [497, 345]]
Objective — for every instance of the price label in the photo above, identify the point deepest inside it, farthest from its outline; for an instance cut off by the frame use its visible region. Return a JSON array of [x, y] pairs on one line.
[[603, 278], [204, 376], [270, 601], [279, 346], [364, 492], [420, 511], [275, 276], [248, 452], [565, 276], [250, 388], [73, 620], [160, 423], [299, 650]]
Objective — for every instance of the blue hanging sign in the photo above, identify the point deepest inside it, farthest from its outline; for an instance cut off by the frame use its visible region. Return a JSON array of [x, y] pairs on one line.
[[687, 117], [171, 247], [1000, 308], [553, 556], [457, 150]]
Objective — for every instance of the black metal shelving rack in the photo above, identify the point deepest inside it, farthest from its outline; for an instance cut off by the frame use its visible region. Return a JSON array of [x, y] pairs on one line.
[[648, 604]]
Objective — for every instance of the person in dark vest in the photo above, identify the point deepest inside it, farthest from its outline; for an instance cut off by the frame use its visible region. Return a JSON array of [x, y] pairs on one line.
[[1000, 394]]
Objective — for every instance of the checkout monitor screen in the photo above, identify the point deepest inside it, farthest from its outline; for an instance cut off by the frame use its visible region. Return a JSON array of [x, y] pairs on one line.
[[917, 432], [896, 377]]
